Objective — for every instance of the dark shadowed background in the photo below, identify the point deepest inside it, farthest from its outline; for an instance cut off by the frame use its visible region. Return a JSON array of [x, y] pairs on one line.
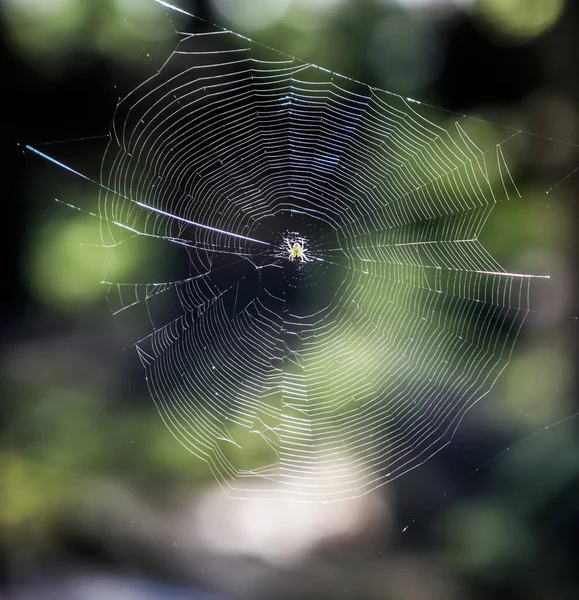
[[97, 500]]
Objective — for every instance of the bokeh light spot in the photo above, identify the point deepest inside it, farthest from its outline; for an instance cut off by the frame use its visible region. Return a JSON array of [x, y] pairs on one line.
[[33, 26], [404, 52], [520, 19], [319, 5], [483, 537], [66, 263], [252, 14]]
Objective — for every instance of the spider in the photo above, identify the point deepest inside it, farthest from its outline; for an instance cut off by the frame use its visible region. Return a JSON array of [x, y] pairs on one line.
[[297, 250]]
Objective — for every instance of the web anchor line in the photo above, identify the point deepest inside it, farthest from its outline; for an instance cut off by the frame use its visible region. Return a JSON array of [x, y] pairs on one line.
[[141, 204]]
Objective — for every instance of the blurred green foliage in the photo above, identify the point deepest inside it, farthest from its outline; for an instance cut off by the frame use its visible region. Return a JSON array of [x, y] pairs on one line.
[[57, 435], [67, 262], [52, 33]]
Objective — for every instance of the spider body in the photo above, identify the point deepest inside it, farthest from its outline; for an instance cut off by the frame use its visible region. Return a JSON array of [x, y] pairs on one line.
[[297, 251]]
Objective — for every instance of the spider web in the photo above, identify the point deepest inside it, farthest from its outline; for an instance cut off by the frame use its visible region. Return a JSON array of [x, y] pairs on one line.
[[318, 380]]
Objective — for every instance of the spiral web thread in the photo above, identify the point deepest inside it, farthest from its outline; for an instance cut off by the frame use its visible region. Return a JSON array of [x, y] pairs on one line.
[[321, 380]]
